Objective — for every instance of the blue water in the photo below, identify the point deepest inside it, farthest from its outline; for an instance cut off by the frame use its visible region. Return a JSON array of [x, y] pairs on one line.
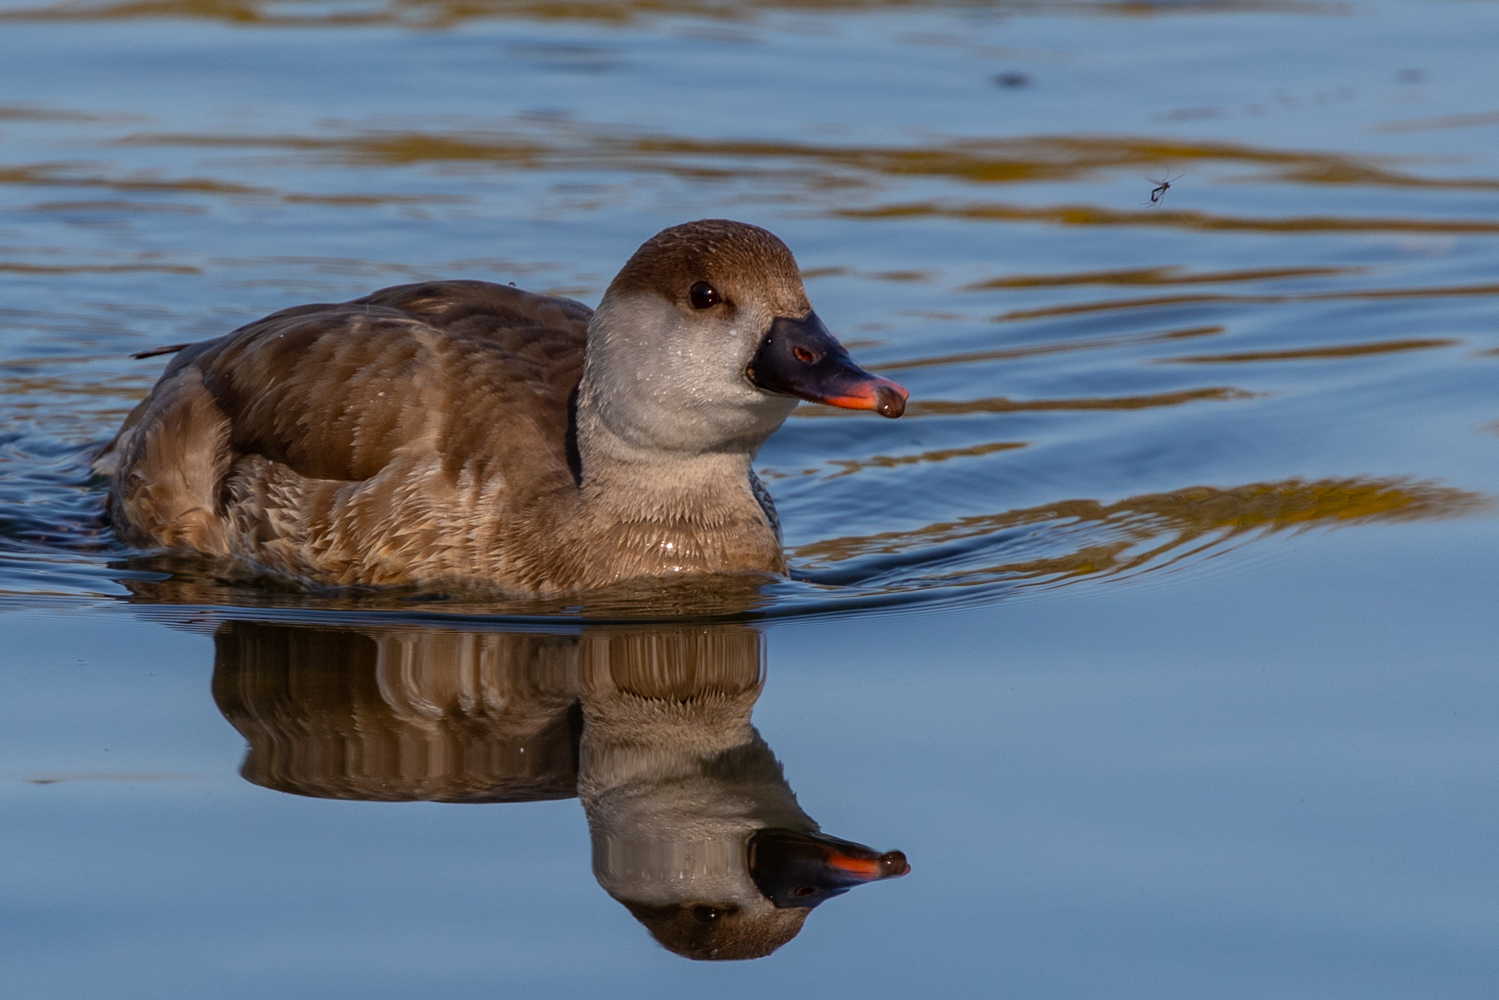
[[1157, 634]]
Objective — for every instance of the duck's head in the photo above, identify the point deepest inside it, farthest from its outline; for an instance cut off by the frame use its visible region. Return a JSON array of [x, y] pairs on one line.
[[705, 340]]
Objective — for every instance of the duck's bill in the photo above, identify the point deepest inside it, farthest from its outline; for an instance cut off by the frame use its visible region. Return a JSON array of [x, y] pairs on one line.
[[792, 868], [800, 358]]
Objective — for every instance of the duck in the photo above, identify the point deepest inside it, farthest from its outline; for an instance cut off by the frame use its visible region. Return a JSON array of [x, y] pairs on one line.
[[470, 434], [693, 826]]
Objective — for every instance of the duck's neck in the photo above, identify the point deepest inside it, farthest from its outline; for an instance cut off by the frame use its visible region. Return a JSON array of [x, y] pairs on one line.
[[637, 484], [655, 512]]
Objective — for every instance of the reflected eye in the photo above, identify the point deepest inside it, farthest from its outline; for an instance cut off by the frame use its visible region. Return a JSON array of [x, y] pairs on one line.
[[703, 295], [706, 914], [807, 890]]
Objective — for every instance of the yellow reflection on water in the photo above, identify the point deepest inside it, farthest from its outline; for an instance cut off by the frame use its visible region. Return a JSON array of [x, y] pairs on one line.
[[551, 144], [1109, 539]]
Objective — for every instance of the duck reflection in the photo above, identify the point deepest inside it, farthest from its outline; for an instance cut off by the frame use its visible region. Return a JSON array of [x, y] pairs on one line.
[[694, 828]]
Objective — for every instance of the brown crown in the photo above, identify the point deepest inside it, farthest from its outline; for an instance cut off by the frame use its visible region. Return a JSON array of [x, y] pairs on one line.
[[739, 260]]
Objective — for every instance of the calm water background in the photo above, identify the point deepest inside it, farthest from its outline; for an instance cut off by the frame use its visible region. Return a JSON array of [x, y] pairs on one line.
[[1159, 634]]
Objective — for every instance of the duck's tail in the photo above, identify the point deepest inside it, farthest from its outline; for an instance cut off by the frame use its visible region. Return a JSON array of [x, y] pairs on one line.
[[153, 352]]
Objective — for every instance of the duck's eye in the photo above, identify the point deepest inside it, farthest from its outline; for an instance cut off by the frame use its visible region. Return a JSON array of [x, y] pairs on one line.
[[703, 295], [706, 914]]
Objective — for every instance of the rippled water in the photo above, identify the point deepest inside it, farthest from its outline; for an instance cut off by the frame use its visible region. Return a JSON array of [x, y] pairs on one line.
[[1155, 633]]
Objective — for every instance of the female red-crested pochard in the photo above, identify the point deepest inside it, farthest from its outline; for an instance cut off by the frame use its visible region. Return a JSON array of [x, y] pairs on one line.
[[462, 433], [693, 825]]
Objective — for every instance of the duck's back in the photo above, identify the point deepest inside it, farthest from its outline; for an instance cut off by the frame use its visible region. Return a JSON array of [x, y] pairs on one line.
[[368, 441]]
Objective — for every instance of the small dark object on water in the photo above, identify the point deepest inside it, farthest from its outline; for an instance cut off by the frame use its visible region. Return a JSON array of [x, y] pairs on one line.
[[1161, 187], [1012, 80]]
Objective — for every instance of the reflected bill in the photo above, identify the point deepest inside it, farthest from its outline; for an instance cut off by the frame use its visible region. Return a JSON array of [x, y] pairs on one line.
[[694, 827]]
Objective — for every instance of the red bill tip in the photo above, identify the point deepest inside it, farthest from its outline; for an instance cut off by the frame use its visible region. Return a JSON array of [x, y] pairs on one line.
[[891, 864], [879, 394]]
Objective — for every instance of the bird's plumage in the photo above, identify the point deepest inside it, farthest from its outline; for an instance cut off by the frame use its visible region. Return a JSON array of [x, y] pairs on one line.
[[473, 434]]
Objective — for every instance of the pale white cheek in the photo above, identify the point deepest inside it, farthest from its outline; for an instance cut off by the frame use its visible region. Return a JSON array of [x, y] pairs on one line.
[[677, 381]]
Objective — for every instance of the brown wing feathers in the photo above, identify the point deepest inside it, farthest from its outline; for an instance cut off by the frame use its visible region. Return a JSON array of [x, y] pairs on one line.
[[334, 392]]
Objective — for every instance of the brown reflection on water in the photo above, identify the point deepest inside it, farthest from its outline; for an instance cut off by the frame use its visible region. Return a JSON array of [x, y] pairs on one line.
[[1037, 350], [1316, 353], [36, 113], [847, 467], [11, 268], [446, 13], [1145, 8], [1109, 539], [389, 148], [1157, 276], [1481, 119], [1357, 294], [694, 828], [440, 716], [83, 176], [1090, 215]]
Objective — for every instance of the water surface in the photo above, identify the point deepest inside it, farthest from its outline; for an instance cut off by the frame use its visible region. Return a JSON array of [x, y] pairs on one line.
[[1157, 634]]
